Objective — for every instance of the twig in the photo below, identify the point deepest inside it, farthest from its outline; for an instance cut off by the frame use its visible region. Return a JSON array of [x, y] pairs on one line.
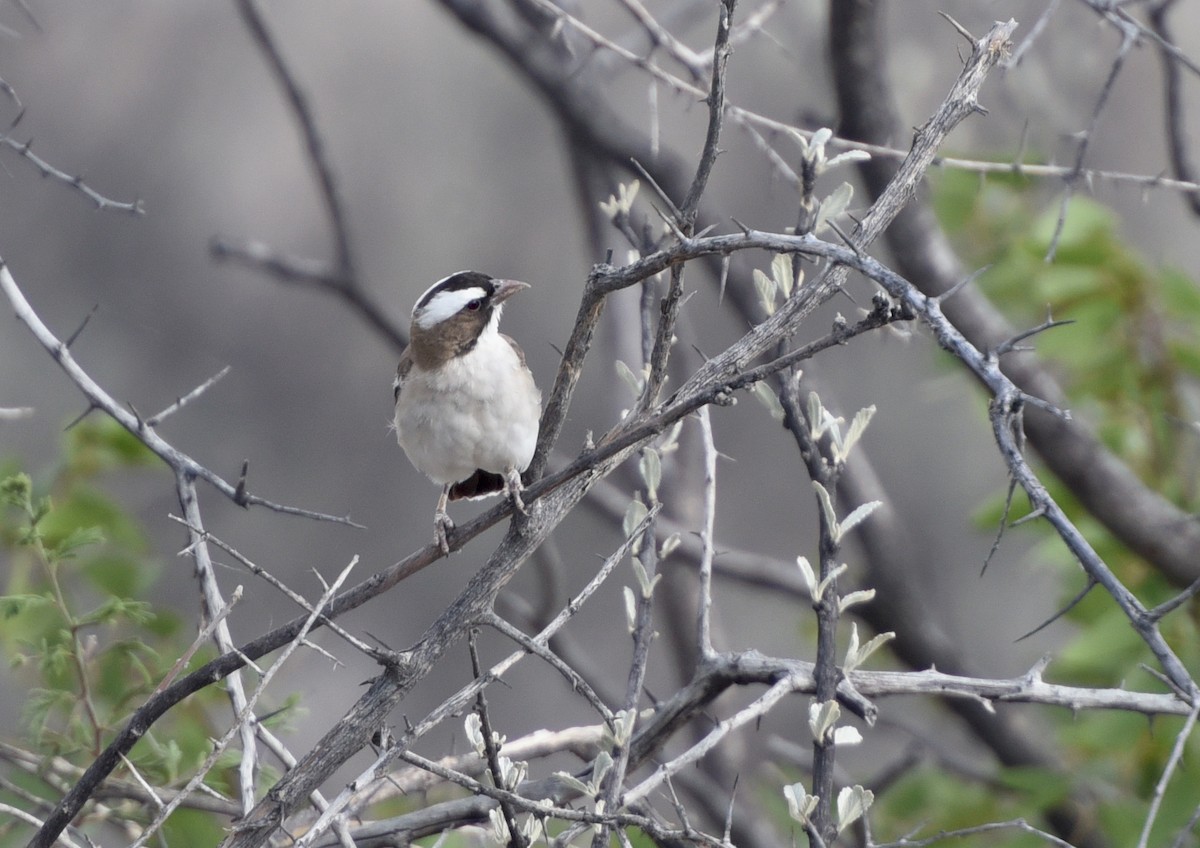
[[990, 827], [316, 274], [245, 716], [212, 607], [1036, 30], [754, 711], [1128, 39], [609, 819], [201, 534], [456, 703], [76, 182], [690, 207], [1160, 789], [308, 129], [29, 818], [98, 398], [543, 652], [704, 645], [184, 400], [206, 632], [491, 751], [1173, 109]]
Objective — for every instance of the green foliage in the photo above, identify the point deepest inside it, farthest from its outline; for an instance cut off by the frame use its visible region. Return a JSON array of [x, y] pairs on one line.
[[1129, 364], [75, 622], [1132, 356]]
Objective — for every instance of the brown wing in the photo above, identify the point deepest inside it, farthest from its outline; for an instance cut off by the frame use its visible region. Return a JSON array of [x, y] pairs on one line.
[[516, 347], [406, 363]]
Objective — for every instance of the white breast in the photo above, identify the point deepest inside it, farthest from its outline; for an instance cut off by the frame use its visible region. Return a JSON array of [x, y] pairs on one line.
[[479, 410]]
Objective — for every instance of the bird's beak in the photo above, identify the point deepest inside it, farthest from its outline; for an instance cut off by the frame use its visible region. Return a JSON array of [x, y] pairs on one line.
[[506, 289]]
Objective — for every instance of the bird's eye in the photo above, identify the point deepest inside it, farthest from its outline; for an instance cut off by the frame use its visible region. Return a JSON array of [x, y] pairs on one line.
[[473, 305]]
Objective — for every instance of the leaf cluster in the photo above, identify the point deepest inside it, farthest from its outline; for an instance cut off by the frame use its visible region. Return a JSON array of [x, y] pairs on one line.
[[1130, 365], [75, 622]]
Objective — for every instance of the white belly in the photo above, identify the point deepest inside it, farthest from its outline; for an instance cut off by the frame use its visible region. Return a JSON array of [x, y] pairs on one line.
[[450, 424]]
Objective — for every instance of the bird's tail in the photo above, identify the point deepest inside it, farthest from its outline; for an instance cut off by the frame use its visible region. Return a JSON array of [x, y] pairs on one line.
[[478, 485]]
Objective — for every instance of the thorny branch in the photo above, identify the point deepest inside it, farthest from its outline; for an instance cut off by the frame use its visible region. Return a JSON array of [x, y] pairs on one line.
[[560, 491], [711, 384], [98, 398], [629, 435], [341, 278]]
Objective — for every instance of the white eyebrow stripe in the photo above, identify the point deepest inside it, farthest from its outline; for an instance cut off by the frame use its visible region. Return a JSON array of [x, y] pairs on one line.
[[447, 304], [425, 293]]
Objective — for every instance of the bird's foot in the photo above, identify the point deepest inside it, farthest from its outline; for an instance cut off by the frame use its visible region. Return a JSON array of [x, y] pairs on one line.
[[442, 527], [514, 487]]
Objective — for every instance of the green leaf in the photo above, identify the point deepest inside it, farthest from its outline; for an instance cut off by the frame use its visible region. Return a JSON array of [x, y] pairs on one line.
[[650, 467], [800, 803], [80, 537], [827, 510], [101, 444], [119, 573], [14, 605], [766, 291], [1180, 294], [1086, 226], [631, 380], [767, 397], [852, 803], [822, 718], [858, 516], [1049, 787], [17, 490], [635, 514], [91, 508], [781, 273]]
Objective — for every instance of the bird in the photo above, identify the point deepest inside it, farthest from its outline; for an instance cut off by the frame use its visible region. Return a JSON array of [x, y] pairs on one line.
[[467, 406]]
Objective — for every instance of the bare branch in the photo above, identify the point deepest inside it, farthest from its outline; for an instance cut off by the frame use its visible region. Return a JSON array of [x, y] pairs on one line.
[[245, 716], [98, 398], [298, 101], [103, 203], [1160, 789]]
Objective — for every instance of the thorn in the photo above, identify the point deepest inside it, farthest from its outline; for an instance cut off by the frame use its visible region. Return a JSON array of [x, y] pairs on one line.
[[1032, 516], [961, 284], [1008, 499], [1074, 602], [12, 126], [962, 30], [658, 189], [1021, 147], [671, 222], [1034, 675], [842, 235], [91, 408], [240, 497], [1012, 344], [1155, 615], [86, 318], [141, 422], [745, 230]]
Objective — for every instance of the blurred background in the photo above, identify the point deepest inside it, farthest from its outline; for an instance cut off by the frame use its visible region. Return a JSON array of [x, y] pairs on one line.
[[447, 160]]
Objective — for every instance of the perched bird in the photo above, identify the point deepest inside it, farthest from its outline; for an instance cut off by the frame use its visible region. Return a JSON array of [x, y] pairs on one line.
[[467, 407]]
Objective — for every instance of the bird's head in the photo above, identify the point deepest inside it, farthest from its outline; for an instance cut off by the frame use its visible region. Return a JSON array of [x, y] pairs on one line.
[[454, 312]]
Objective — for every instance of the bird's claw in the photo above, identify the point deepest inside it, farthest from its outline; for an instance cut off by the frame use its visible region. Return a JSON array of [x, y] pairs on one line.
[[442, 526], [512, 480]]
